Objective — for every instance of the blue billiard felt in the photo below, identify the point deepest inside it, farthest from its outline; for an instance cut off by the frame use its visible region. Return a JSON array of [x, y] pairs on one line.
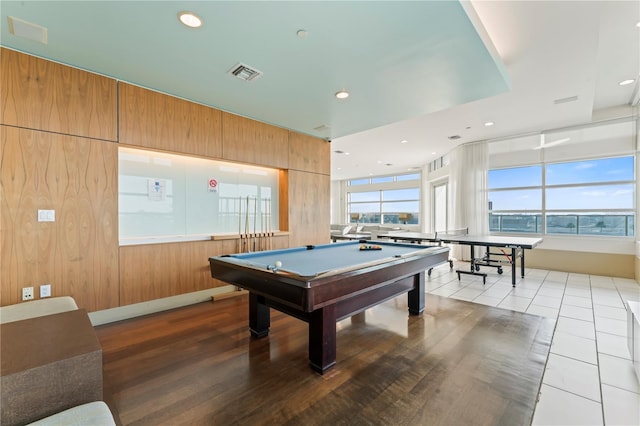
[[327, 257]]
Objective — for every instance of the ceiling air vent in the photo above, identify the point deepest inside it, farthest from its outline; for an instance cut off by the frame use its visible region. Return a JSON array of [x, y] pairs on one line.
[[453, 137], [322, 128], [245, 72]]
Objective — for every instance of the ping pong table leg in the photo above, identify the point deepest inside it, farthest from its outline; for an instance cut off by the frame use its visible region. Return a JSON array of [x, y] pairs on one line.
[[513, 267], [522, 262]]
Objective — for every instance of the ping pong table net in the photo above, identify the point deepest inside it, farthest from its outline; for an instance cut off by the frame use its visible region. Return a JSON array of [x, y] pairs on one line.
[[452, 233]]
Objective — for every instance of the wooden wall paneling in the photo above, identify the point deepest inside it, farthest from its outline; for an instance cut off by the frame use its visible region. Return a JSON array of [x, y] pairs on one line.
[[78, 253], [19, 255], [153, 271], [283, 197], [97, 210], [309, 213], [309, 154], [254, 142], [44, 95], [156, 120]]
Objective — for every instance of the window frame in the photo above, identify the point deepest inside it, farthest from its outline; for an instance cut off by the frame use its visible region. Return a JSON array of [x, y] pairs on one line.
[[542, 215], [397, 183]]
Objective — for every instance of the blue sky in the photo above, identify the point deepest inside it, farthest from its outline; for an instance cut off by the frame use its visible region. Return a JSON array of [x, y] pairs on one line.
[[607, 196]]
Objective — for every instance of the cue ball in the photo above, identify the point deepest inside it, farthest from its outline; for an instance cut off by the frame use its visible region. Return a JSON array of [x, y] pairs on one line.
[[278, 264]]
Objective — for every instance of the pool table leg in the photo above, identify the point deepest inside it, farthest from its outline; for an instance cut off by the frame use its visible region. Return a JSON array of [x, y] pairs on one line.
[[416, 296], [322, 338], [259, 317]]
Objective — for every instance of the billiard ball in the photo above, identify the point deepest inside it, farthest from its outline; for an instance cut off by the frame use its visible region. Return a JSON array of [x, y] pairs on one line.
[[278, 264]]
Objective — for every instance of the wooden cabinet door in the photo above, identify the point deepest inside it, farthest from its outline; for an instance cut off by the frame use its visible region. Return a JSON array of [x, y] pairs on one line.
[[155, 120], [44, 95], [250, 141]]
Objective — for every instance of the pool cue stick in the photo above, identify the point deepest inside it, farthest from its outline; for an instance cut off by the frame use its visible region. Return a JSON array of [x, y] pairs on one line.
[[266, 226], [255, 220], [269, 233], [260, 234], [239, 224], [246, 227], [263, 226]]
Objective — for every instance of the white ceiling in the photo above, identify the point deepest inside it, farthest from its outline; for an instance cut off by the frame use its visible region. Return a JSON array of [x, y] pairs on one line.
[[418, 71], [552, 50]]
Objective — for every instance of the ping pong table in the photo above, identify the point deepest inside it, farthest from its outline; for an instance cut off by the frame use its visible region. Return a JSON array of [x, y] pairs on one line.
[[517, 246], [359, 237]]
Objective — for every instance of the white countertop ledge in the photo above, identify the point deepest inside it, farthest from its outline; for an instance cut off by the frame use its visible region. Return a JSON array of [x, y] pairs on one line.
[[134, 241]]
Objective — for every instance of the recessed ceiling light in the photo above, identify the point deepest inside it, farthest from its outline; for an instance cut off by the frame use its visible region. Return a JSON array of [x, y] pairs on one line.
[[190, 19], [343, 94], [404, 141], [489, 123], [638, 24], [433, 153], [625, 82], [302, 33]]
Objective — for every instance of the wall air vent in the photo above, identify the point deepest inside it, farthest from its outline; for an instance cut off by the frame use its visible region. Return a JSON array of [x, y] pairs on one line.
[[565, 100], [22, 28], [245, 72]]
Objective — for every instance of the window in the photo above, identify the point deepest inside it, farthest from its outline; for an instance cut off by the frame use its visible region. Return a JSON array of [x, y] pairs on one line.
[[382, 179], [440, 207], [592, 197], [385, 200], [359, 182], [414, 176]]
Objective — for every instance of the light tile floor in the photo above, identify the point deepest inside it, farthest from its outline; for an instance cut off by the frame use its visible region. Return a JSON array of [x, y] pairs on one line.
[[589, 377]]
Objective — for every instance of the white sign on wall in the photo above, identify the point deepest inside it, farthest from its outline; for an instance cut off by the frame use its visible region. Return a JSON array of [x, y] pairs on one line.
[[157, 189]]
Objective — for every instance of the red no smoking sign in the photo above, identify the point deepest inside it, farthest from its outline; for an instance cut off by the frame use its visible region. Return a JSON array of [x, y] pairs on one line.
[[213, 185]]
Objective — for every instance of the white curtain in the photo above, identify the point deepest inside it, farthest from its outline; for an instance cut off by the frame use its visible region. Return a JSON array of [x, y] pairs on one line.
[[469, 200]]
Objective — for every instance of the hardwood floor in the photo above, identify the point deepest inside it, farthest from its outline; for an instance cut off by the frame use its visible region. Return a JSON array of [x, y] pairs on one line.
[[458, 363]]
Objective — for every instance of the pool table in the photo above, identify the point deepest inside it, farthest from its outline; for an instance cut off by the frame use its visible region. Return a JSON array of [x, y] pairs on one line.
[[323, 284]]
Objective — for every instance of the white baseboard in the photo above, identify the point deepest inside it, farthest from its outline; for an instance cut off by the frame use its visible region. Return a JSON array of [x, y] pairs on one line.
[[138, 309]]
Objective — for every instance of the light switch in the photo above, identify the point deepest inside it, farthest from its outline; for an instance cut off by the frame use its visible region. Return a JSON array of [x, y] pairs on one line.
[[46, 215]]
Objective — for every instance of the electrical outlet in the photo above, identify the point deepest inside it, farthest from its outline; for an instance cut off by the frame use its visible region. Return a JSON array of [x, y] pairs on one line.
[[45, 290], [27, 293]]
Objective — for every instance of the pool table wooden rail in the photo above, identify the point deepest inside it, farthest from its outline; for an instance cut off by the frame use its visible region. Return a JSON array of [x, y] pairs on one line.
[[324, 299]]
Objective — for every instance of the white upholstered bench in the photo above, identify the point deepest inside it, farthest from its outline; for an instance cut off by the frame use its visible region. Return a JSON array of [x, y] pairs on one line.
[[93, 413]]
